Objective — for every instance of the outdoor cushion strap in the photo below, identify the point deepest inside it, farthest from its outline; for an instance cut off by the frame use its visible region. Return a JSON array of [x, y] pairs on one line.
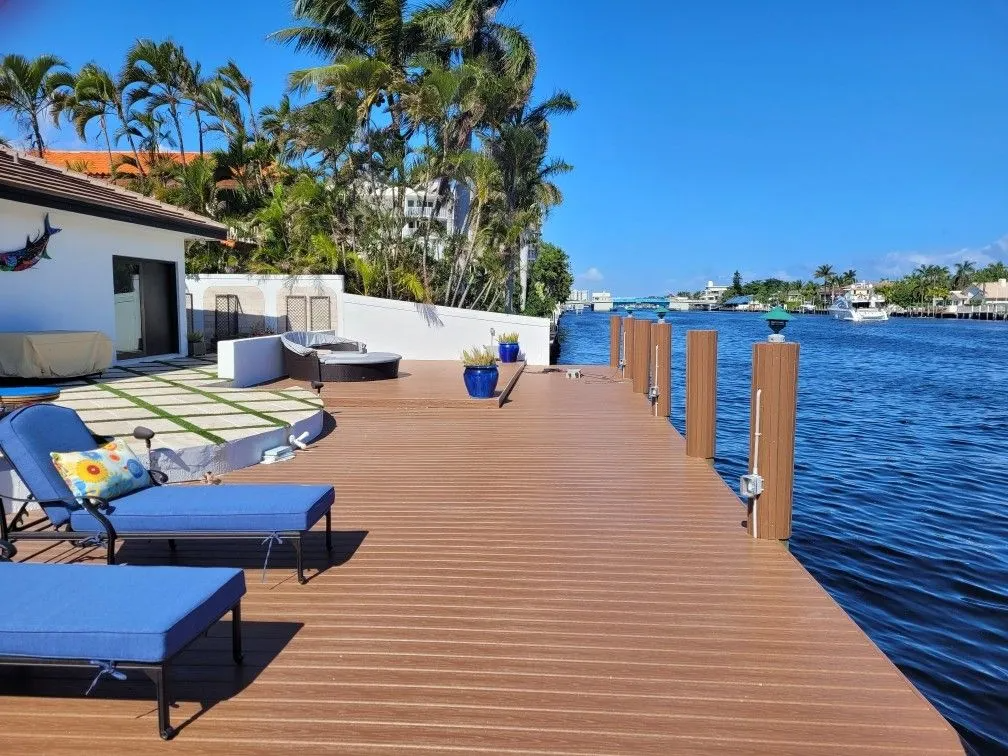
[[268, 543], [104, 669]]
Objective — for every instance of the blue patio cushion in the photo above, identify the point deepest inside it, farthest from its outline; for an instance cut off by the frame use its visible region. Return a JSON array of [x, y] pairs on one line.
[[226, 509], [27, 437], [122, 614]]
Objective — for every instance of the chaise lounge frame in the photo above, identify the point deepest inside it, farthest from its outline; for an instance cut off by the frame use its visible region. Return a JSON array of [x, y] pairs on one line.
[[42, 529], [16, 529], [157, 673]]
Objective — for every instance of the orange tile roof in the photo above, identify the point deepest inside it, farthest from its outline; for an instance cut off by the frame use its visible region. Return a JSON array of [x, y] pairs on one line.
[[96, 162]]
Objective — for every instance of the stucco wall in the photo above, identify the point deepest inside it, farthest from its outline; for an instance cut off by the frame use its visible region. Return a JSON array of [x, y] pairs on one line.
[[263, 301], [426, 332], [73, 290]]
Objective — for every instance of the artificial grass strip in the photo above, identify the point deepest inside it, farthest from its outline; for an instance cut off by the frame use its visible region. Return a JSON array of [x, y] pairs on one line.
[[158, 412], [221, 400], [207, 373]]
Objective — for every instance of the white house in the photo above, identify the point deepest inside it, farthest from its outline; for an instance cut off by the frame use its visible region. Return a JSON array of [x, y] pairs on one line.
[[991, 292], [116, 266], [712, 293]]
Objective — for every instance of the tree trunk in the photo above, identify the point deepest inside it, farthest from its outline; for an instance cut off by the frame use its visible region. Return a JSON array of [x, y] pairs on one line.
[[108, 146], [178, 129], [199, 127], [39, 144]]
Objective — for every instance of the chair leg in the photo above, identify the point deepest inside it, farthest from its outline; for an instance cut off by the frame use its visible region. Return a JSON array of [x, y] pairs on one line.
[[300, 560], [160, 677], [110, 555], [328, 530], [236, 635]]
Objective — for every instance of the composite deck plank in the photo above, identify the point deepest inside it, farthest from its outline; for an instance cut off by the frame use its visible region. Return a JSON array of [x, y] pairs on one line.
[[553, 577]]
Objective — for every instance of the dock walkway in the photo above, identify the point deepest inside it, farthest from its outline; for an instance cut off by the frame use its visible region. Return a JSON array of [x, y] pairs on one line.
[[553, 577]]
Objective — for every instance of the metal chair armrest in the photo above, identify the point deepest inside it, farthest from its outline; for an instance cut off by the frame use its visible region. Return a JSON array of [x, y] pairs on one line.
[[7, 550], [158, 478]]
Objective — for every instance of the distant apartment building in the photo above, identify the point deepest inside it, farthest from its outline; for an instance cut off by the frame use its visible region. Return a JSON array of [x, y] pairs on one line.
[[602, 301], [419, 205], [712, 293]]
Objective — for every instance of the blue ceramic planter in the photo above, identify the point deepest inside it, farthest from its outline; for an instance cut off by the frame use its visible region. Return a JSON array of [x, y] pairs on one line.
[[481, 382], [508, 352]]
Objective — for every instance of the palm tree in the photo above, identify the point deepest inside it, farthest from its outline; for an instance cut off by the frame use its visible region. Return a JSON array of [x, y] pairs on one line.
[[97, 96], [849, 277], [197, 89], [827, 275], [240, 87], [964, 273], [30, 88], [163, 78], [373, 46], [223, 110]]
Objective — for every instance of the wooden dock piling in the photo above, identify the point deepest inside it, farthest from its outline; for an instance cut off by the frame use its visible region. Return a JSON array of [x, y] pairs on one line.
[[661, 366], [775, 381], [615, 329], [628, 346], [701, 394], [642, 356]]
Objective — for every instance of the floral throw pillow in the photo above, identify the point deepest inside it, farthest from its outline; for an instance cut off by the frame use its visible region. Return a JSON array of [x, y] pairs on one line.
[[106, 472]]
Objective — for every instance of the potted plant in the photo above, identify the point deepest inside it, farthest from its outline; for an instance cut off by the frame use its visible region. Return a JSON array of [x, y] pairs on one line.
[[197, 347], [508, 347], [480, 373]]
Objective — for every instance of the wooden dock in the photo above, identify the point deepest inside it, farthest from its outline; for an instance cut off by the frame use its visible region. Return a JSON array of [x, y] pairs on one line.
[[555, 577]]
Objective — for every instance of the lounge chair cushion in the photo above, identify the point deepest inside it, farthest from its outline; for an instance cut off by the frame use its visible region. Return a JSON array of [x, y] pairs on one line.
[[107, 472], [256, 508], [138, 614]]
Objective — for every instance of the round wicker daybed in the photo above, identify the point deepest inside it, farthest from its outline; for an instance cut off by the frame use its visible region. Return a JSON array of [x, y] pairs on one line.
[[324, 356]]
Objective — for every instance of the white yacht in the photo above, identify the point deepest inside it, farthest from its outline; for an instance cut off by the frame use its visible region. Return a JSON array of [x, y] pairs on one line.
[[859, 303]]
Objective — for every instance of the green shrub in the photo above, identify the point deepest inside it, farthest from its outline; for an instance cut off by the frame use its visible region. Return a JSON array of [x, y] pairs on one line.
[[479, 357]]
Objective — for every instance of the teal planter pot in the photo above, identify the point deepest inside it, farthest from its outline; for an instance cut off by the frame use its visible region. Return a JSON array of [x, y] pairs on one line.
[[481, 382]]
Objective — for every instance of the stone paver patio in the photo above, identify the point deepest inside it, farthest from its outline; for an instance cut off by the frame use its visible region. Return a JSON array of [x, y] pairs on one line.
[[183, 402]]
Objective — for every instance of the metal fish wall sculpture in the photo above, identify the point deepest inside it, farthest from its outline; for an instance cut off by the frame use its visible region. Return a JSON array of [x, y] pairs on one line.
[[33, 251]]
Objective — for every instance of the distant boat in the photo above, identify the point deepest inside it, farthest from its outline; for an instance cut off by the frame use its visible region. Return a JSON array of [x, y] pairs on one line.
[[858, 310], [859, 303]]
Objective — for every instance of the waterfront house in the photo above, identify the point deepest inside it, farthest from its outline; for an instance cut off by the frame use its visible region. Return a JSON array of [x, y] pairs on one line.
[[712, 293], [116, 266], [742, 303], [991, 292]]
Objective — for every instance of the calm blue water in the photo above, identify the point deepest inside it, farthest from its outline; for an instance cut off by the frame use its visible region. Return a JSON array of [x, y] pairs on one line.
[[901, 484]]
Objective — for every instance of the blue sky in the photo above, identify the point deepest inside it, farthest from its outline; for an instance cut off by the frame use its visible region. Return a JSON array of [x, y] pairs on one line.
[[713, 135]]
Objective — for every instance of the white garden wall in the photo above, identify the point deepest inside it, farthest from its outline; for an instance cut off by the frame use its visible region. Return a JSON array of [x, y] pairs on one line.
[[427, 332], [73, 290], [266, 303], [249, 362]]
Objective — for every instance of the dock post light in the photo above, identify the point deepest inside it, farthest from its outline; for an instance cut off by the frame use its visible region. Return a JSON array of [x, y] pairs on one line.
[[662, 312], [777, 318]]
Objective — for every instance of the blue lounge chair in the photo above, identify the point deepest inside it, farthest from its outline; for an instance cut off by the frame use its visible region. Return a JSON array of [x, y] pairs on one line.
[[127, 618], [271, 513]]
